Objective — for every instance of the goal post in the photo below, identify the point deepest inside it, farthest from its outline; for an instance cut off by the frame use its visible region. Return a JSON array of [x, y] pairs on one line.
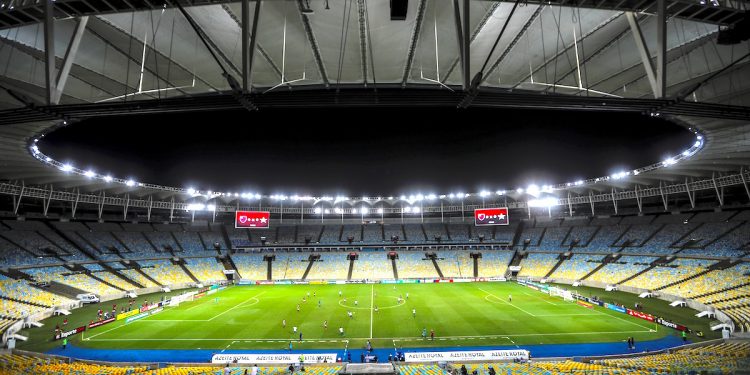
[[562, 293]]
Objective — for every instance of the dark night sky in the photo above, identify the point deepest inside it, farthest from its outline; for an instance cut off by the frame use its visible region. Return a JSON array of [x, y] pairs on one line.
[[365, 151]]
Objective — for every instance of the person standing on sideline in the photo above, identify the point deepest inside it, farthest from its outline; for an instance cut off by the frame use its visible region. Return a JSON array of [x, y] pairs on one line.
[[254, 370], [65, 343], [414, 313], [341, 331], [432, 334], [684, 337], [424, 333], [300, 336], [290, 346]]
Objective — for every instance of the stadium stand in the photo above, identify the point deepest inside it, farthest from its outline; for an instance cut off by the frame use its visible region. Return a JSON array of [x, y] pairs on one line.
[[494, 263], [722, 358], [433, 231], [290, 265], [413, 264], [459, 232], [373, 234], [449, 264], [414, 233], [711, 282], [164, 272], [622, 268], [77, 280], [538, 264], [251, 266], [668, 273], [205, 269], [330, 266], [99, 271], [577, 266], [372, 265], [309, 231]]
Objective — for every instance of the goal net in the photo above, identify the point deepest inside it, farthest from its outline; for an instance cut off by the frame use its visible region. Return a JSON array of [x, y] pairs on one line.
[[564, 294]]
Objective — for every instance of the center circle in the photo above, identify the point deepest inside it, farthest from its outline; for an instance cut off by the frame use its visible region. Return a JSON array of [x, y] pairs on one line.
[[403, 302]]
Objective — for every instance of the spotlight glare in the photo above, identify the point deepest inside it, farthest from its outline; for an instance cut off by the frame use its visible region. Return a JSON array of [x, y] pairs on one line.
[[66, 168], [129, 182], [108, 178], [89, 174], [380, 210]]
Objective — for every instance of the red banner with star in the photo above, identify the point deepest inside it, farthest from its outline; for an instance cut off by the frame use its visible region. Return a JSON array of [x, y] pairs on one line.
[[252, 219], [491, 216]]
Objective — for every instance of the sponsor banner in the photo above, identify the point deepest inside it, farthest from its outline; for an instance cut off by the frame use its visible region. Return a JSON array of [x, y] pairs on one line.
[[585, 304], [127, 314], [252, 219], [212, 291], [641, 315], [318, 282], [101, 322], [274, 358], [150, 307], [616, 308], [229, 272], [494, 279], [136, 317], [462, 280], [72, 332], [676, 326], [199, 295], [491, 216], [484, 355]]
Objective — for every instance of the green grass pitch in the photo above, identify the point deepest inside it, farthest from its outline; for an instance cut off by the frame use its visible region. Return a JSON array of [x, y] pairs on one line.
[[462, 314]]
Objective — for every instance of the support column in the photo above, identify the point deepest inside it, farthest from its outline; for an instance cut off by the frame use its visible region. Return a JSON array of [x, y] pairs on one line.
[[467, 45], [661, 48], [49, 50], [70, 56], [642, 47]]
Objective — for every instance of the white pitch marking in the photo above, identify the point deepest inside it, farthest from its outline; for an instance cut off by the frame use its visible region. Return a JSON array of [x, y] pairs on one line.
[[537, 297], [238, 305], [372, 305], [504, 301]]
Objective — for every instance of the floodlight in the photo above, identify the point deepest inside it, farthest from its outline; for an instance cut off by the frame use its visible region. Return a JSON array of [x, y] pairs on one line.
[[416, 210], [257, 196], [48, 159], [129, 182], [66, 167], [326, 211], [669, 161], [407, 209], [403, 197], [354, 210], [697, 144], [108, 178], [484, 193], [318, 210], [380, 210], [364, 210], [533, 190], [211, 207], [451, 195], [196, 206], [686, 153], [543, 202], [519, 190]]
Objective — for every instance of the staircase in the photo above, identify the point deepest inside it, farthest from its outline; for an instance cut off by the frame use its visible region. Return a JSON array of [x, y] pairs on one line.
[[437, 268], [559, 262], [62, 290], [139, 270], [351, 269], [23, 302], [724, 264], [309, 267], [97, 278], [395, 269], [476, 266], [120, 275], [228, 264], [225, 235], [181, 263], [721, 291], [641, 272], [269, 270], [517, 235], [607, 259]]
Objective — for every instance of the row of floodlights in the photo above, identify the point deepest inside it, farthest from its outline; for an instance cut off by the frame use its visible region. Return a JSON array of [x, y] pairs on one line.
[[533, 189]]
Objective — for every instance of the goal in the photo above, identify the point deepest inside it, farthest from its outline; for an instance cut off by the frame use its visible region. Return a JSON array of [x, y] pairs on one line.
[[564, 294]]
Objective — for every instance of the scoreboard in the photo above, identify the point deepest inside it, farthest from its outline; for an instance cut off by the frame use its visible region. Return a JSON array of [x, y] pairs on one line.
[[252, 219], [491, 216]]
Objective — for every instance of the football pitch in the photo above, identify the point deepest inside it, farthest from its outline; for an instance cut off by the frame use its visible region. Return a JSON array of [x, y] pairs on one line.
[[463, 314]]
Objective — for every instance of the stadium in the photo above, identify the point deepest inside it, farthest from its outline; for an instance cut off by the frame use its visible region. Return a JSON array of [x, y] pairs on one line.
[[629, 253]]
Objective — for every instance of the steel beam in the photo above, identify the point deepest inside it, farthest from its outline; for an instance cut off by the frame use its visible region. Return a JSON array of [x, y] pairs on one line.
[[661, 48], [467, 45], [642, 47], [460, 40], [413, 41], [49, 50], [70, 56], [244, 35], [313, 44]]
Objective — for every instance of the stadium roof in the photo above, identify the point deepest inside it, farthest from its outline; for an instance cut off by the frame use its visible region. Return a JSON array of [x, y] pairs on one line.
[[116, 56]]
